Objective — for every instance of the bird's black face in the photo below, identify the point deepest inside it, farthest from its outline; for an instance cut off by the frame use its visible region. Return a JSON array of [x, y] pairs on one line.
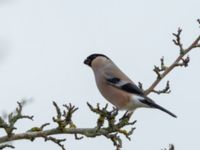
[[89, 59]]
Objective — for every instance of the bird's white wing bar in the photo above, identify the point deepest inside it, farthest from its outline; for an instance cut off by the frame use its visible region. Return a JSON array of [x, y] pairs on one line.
[[124, 85]]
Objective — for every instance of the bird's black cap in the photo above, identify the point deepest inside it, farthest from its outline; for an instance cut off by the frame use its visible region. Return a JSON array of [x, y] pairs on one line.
[[90, 58]]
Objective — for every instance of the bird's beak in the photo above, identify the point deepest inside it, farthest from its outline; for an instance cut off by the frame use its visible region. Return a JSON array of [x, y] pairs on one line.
[[87, 61]]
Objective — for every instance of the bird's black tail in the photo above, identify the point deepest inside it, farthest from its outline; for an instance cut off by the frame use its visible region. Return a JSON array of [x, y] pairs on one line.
[[152, 104]]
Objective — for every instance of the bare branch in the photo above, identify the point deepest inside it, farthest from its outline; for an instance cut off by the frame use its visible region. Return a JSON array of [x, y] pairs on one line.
[[111, 131], [35, 129], [12, 119], [78, 138], [65, 118], [185, 62], [117, 142], [56, 141], [177, 40], [166, 90], [114, 126], [179, 61], [159, 70]]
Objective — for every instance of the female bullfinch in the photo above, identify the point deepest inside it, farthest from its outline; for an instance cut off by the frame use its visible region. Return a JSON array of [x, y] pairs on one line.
[[116, 87]]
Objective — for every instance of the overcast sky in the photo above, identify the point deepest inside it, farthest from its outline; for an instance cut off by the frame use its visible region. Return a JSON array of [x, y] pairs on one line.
[[42, 47]]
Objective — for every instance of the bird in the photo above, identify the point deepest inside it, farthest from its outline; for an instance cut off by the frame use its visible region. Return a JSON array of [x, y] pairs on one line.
[[116, 87]]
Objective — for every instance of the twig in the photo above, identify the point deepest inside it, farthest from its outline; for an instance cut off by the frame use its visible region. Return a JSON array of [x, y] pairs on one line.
[[65, 118], [56, 141], [35, 129], [78, 138], [177, 41], [166, 90], [198, 20], [117, 142], [140, 85], [12, 120], [177, 62], [6, 146], [114, 126]]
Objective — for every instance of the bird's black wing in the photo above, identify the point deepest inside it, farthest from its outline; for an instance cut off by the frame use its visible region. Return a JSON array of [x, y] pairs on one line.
[[124, 85]]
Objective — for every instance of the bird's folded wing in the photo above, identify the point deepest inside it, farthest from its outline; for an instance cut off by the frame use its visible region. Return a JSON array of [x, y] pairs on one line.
[[124, 85]]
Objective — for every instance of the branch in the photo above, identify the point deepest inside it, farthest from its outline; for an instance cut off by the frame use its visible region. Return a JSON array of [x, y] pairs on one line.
[[65, 125], [56, 141], [88, 132], [64, 119], [114, 127], [178, 62], [9, 126], [177, 41], [140, 85]]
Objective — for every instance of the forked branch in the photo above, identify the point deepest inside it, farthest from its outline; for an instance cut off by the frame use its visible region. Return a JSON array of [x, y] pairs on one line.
[[180, 61]]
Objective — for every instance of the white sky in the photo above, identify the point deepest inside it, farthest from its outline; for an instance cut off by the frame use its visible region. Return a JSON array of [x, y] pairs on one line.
[[44, 42]]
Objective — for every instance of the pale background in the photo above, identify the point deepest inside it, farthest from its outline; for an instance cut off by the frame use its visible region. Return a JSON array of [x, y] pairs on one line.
[[44, 42]]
